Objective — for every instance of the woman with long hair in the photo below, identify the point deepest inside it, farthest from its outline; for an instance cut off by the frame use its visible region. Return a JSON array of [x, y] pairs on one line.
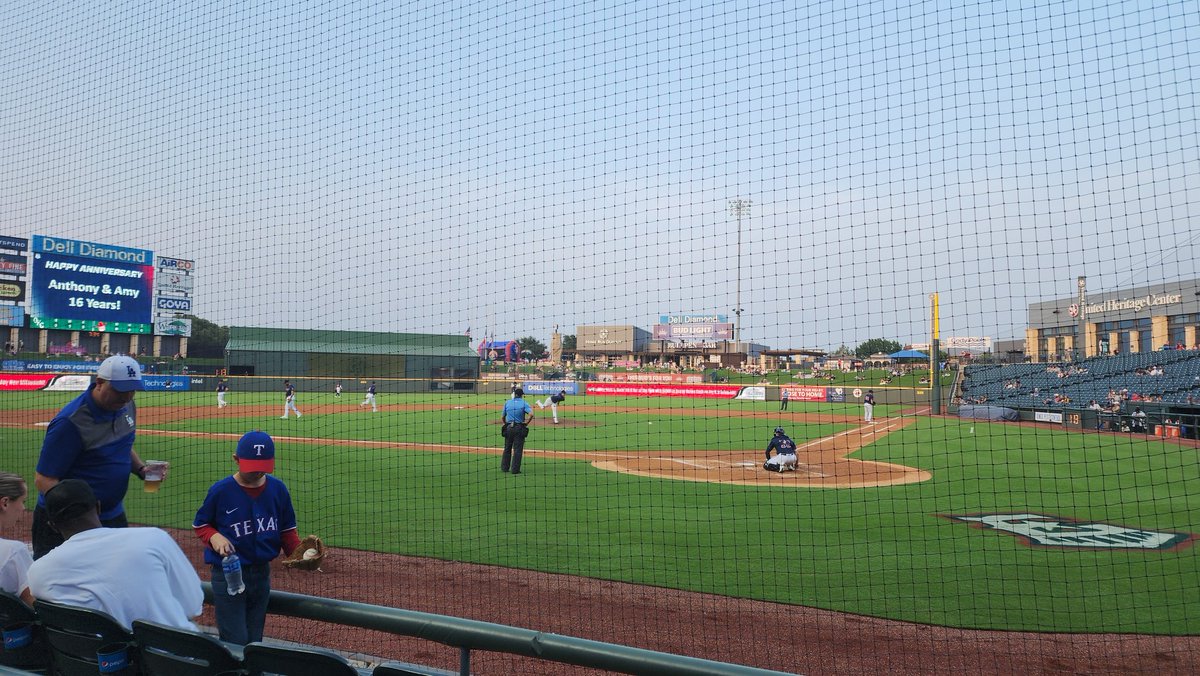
[[15, 558]]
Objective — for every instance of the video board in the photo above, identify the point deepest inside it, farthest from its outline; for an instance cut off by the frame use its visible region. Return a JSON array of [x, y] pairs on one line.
[[85, 286]]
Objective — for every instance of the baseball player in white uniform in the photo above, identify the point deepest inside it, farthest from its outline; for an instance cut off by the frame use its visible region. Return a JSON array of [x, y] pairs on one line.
[[289, 400], [553, 401], [370, 399]]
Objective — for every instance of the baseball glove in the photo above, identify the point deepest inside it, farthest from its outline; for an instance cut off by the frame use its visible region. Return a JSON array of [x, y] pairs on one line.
[[297, 561]]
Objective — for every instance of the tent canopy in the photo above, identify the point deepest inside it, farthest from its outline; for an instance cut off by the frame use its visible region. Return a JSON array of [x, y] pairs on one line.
[[908, 354]]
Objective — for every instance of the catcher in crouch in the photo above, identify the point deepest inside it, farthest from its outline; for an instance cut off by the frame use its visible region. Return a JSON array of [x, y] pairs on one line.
[[249, 513], [785, 453]]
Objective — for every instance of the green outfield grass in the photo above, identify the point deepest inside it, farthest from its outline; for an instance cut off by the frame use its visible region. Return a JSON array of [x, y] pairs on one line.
[[878, 551]]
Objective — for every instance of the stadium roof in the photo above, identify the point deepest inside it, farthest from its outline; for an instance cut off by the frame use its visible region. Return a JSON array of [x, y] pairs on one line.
[[251, 339]]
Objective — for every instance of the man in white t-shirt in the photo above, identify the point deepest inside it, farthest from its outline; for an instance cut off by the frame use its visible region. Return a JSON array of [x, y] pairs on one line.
[[129, 573]]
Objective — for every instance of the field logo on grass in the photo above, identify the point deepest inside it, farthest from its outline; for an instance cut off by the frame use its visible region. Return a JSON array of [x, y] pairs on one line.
[[1045, 530]]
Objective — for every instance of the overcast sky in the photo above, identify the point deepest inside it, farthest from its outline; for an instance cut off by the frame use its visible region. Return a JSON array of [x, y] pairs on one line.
[[434, 166]]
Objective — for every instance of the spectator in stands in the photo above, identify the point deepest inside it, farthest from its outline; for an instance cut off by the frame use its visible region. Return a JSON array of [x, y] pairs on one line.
[[129, 573], [14, 555]]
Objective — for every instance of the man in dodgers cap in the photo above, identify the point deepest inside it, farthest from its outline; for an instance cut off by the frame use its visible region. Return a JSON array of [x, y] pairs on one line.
[[91, 439]]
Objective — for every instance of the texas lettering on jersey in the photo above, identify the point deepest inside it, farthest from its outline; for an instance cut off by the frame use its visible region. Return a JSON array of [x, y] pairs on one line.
[[254, 526]]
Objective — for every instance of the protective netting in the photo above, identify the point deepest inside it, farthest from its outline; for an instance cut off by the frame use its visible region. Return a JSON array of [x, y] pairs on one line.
[[674, 214]]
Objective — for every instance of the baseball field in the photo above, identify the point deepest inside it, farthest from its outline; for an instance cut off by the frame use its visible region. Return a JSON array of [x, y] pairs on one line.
[[670, 493]]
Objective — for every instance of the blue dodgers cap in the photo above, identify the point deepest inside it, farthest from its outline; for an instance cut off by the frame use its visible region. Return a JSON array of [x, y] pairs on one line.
[[123, 373], [256, 452]]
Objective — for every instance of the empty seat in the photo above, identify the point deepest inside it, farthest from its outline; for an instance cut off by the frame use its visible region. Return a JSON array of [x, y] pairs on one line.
[[295, 661], [168, 651]]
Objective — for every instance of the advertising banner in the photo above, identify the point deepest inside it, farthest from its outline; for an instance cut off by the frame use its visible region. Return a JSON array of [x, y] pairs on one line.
[[975, 343], [49, 366], [693, 319], [13, 265], [14, 243], [24, 383], [1046, 416], [68, 291], [12, 291], [753, 393], [174, 282], [173, 327], [806, 392], [650, 390], [12, 315], [175, 264], [173, 304], [710, 331], [69, 383], [605, 338], [836, 395], [650, 377], [550, 386], [165, 383]]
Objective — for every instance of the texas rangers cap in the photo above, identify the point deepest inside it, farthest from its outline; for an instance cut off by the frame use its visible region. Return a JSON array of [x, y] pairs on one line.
[[123, 373], [68, 499], [256, 452]]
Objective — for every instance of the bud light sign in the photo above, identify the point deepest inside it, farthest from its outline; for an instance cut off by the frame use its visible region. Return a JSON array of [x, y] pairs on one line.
[[175, 304]]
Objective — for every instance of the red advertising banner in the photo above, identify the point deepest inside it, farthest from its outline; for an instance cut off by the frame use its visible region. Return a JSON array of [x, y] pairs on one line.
[[664, 390], [651, 377], [805, 392], [33, 382]]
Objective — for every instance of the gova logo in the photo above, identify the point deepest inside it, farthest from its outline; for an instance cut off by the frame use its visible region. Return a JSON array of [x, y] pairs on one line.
[[174, 304], [175, 264]]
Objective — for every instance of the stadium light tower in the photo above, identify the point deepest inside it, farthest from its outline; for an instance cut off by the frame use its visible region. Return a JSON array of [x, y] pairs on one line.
[[738, 208]]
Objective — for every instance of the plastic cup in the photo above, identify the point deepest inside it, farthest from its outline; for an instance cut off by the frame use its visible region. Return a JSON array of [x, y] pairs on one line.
[[156, 471]]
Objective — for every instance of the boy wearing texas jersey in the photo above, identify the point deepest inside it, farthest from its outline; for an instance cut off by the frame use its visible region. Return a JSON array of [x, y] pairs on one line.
[[249, 513]]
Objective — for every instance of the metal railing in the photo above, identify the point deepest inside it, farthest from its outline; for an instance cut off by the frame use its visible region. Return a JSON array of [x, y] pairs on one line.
[[468, 635]]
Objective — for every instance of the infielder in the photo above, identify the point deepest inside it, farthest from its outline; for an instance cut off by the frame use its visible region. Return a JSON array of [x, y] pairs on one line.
[[370, 398], [222, 388], [785, 453], [553, 401], [868, 406], [517, 416], [289, 400]]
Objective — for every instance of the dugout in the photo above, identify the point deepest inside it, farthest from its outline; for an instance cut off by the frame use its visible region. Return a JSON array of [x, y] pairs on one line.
[[411, 362]]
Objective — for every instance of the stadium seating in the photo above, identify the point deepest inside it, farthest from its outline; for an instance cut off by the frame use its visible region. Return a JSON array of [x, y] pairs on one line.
[[167, 651], [75, 635], [33, 657], [1090, 379], [296, 661]]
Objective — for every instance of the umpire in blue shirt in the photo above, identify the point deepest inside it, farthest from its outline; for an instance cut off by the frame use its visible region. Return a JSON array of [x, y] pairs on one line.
[[517, 416]]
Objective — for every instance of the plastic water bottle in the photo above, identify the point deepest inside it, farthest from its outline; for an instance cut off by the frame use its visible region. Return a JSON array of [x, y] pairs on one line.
[[232, 566]]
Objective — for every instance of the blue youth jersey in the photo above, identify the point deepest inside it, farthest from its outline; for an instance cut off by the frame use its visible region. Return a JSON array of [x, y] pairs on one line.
[[289, 391], [516, 409], [869, 399], [253, 525], [221, 387], [93, 445], [371, 390]]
